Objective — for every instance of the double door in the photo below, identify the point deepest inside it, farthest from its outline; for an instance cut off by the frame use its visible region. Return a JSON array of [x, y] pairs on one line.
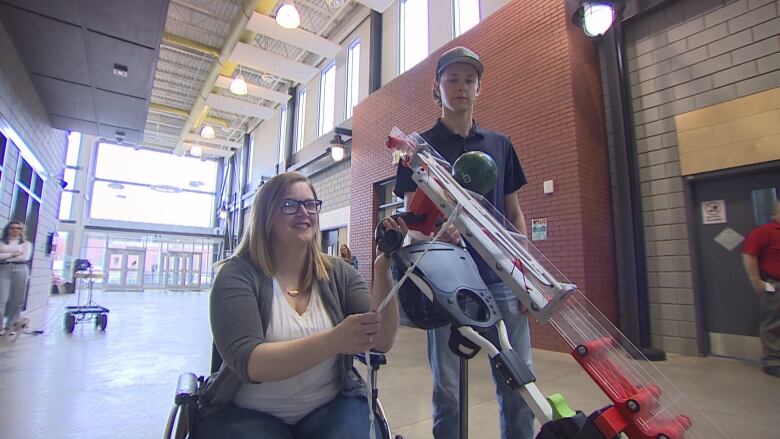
[[125, 269], [181, 270]]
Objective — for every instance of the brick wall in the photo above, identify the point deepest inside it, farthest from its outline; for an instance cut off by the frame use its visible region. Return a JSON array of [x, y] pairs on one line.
[[21, 108], [684, 57], [542, 88]]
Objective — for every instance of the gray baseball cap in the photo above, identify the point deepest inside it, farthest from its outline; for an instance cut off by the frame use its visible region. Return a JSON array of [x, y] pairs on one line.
[[456, 55]]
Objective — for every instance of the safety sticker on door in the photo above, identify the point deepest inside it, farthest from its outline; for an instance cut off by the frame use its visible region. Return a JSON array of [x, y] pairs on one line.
[[729, 238], [713, 212]]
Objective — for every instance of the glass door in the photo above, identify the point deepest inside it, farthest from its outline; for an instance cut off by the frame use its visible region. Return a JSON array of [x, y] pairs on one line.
[[182, 270], [125, 268]]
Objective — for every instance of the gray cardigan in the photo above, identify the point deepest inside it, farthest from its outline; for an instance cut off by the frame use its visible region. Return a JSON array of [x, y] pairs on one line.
[[240, 309]]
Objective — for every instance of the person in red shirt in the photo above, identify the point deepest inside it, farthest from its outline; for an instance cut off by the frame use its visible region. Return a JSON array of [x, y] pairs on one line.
[[761, 257]]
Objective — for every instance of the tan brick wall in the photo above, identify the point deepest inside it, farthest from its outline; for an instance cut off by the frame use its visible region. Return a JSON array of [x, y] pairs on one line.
[[684, 57]]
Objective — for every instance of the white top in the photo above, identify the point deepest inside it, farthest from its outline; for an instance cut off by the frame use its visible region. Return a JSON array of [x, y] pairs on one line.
[[292, 399], [15, 246]]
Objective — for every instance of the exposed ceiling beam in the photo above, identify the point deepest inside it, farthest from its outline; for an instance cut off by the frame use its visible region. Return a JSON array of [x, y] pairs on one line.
[[239, 106], [256, 90], [268, 62], [155, 107], [192, 137], [236, 29], [306, 40]]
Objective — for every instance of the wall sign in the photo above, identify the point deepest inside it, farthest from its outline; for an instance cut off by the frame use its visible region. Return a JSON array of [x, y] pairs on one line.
[[713, 212], [539, 229]]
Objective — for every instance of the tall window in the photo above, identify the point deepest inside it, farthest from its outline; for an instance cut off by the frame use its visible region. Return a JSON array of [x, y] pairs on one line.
[[2, 153], [327, 98], [71, 166], [465, 15], [414, 32], [169, 190], [353, 76], [300, 113], [26, 202], [282, 134]]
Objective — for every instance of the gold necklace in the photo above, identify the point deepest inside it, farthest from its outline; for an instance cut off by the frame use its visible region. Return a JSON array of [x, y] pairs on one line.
[[292, 293]]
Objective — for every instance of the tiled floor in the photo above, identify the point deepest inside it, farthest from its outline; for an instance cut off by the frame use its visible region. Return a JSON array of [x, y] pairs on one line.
[[119, 384]]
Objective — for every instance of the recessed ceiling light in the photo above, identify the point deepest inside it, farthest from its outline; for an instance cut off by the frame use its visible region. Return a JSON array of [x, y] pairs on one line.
[[165, 188], [119, 186]]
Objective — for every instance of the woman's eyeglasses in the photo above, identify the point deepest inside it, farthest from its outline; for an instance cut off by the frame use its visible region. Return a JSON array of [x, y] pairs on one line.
[[290, 207], [15, 227]]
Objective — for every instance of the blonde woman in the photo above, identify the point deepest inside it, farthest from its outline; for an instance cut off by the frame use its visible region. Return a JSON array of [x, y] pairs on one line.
[[15, 252], [287, 319]]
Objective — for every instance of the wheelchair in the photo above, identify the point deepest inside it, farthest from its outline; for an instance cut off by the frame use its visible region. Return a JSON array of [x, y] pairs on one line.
[[183, 416]]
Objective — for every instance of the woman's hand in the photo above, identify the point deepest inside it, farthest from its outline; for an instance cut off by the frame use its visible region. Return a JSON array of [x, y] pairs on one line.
[[356, 333]]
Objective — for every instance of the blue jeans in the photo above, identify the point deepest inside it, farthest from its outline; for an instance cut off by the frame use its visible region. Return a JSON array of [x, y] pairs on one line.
[[341, 418], [516, 417]]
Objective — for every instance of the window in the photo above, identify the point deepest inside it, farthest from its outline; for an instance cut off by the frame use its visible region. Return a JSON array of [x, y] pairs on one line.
[[300, 113], [414, 32], [327, 98], [282, 134], [2, 154], [249, 162], [353, 77], [465, 15], [26, 202], [71, 166], [388, 202], [172, 190]]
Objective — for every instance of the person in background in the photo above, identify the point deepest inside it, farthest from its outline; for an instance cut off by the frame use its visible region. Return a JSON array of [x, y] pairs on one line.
[[286, 319], [346, 255], [15, 252], [456, 87], [761, 258]]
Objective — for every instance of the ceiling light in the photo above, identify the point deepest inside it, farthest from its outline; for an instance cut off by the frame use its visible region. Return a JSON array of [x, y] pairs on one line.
[[222, 213], [196, 151], [337, 148], [207, 132], [115, 185], [165, 188], [287, 16], [238, 85], [595, 17]]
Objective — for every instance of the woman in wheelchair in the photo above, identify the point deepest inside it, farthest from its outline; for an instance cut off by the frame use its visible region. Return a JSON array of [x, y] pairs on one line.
[[286, 319]]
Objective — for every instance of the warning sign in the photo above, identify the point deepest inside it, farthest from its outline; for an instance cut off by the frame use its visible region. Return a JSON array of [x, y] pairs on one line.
[[713, 212]]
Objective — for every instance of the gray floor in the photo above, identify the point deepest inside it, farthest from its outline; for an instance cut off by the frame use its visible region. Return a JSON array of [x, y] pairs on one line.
[[119, 384]]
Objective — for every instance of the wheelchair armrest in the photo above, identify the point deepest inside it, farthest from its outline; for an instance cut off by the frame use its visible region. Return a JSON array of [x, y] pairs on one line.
[[186, 389], [377, 359]]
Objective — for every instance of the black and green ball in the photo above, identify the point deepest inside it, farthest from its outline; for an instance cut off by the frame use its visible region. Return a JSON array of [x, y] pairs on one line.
[[476, 171]]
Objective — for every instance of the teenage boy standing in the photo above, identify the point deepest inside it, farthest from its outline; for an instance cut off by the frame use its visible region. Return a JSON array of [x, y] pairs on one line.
[[456, 87]]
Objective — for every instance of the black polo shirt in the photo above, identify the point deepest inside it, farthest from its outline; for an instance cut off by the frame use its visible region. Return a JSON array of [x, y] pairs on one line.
[[450, 146]]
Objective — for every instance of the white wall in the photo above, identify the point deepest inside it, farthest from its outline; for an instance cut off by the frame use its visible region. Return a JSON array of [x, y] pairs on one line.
[[23, 118]]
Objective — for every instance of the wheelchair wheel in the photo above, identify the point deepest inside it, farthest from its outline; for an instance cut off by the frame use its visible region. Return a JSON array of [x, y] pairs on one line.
[[69, 323], [101, 321]]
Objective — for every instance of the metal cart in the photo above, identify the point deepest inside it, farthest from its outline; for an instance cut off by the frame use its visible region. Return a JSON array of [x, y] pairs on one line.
[[83, 273]]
